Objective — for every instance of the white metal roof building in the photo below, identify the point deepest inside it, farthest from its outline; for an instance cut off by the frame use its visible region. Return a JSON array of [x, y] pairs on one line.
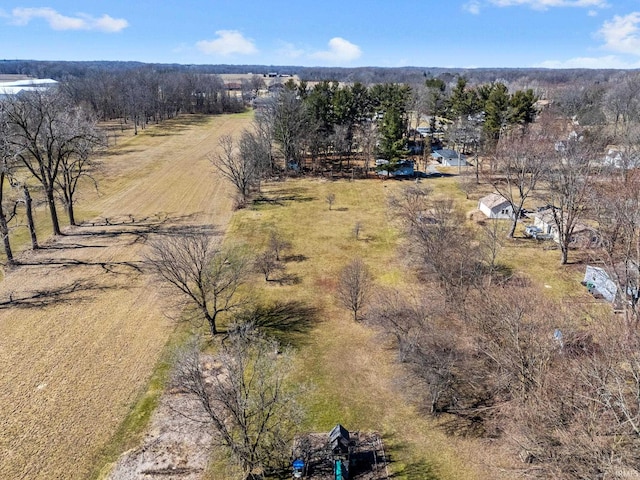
[[32, 84]]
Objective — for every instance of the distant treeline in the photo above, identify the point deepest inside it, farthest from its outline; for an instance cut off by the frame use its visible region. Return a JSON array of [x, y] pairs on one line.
[[59, 70]]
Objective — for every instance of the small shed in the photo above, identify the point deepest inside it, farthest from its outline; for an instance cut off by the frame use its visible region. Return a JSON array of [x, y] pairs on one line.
[[449, 158], [599, 284], [339, 440], [495, 205]]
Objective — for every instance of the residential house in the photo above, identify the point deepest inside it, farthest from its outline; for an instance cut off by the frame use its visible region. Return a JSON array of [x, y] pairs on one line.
[[449, 158], [619, 158], [495, 205], [583, 236], [404, 168]]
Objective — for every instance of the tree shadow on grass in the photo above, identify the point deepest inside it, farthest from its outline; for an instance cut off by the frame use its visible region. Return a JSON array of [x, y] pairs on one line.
[[286, 279], [280, 196], [76, 291], [289, 322], [126, 226], [294, 258], [124, 267]]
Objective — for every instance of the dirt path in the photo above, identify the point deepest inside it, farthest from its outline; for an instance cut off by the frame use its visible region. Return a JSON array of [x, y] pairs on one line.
[[80, 326]]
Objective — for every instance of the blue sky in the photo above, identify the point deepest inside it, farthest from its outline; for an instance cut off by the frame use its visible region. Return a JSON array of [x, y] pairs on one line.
[[385, 33]]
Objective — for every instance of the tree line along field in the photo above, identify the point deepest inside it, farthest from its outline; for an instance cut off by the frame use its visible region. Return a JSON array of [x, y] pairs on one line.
[[82, 328]]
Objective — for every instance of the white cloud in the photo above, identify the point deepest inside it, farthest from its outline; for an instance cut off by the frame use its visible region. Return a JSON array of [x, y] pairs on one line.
[[289, 50], [472, 7], [622, 34], [340, 51], [609, 61], [229, 42], [57, 21], [545, 4]]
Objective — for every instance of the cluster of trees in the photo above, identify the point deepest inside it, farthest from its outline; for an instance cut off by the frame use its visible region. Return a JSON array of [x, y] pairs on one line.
[[348, 121], [329, 125], [488, 350], [244, 392], [246, 398], [144, 95], [47, 142]]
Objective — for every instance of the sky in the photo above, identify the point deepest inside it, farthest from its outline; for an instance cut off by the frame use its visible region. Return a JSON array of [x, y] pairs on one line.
[[335, 33]]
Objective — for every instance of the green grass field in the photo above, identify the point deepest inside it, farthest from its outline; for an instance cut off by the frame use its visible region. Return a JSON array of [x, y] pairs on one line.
[[351, 368]]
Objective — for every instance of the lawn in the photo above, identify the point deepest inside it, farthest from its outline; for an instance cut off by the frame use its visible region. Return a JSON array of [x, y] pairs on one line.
[[351, 368], [86, 335]]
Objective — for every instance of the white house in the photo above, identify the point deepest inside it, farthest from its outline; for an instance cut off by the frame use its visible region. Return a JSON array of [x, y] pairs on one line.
[[495, 205], [583, 236], [449, 158], [619, 158], [545, 221]]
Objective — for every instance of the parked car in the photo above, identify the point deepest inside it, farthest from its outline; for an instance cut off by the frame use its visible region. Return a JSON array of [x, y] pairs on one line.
[[532, 231]]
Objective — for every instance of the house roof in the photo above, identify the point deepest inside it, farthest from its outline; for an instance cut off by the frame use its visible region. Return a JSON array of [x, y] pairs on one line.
[[493, 200], [547, 217], [447, 153]]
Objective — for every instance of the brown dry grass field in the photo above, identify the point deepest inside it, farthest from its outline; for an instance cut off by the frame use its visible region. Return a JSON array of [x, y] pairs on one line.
[[81, 328]]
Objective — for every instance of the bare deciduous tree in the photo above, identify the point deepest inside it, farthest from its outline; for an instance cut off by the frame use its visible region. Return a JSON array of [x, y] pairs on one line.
[[267, 264], [330, 198], [521, 161], [571, 182], [205, 276], [79, 161], [432, 355], [442, 247], [46, 130], [354, 286], [6, 166], [618, 213], [239, 168], [245, 399], [289, 126], [278, 244]]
